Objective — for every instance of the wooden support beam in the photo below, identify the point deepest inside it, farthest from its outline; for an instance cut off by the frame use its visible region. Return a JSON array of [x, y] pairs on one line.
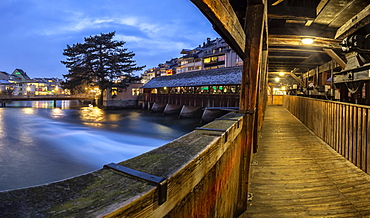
[[274, 65], [304, 31], [335, 57], [296, 78], [301, 49], [356, 22], [277, 2], [253, 31], [286, 57], [320, 6], [221, 14], [290, 12], [292, 40]]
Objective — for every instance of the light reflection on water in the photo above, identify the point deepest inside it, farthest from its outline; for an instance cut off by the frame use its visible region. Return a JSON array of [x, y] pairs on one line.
[[57, 113], [28, 110], [39, 145], [92, 116]]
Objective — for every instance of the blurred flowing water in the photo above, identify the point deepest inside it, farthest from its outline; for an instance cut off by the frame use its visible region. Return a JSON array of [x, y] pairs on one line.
[[40, 144]]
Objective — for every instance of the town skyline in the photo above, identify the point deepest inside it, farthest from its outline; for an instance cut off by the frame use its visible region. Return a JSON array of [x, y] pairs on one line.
[[35, 33]]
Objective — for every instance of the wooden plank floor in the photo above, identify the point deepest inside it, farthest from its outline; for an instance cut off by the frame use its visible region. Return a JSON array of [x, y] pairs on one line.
[[298, 175]]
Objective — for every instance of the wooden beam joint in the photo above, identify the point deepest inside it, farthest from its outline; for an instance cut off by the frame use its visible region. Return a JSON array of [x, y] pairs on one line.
[[335, 57]]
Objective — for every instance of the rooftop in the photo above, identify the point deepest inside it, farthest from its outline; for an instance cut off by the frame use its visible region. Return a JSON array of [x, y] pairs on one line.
[[220, 76]]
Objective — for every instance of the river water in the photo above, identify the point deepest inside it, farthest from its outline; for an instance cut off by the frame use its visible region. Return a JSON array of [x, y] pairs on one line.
[[40, 144]]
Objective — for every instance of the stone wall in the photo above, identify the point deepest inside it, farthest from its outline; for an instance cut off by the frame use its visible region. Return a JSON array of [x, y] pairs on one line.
[[120, 103]]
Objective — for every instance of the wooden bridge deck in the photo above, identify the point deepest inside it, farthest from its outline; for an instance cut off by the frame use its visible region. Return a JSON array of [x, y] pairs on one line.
[[296, 174]]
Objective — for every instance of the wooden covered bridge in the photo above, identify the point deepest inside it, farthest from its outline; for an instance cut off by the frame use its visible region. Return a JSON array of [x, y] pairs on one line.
[[308, 158]]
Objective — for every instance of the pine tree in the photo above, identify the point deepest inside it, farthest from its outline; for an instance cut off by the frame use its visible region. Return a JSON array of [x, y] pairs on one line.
[[99, 61]]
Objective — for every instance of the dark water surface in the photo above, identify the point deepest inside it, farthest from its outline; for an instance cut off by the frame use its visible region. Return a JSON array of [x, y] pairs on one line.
[[44, 144]]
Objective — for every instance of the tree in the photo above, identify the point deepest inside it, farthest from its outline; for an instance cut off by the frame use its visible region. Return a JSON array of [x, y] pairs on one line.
[[99, 61]]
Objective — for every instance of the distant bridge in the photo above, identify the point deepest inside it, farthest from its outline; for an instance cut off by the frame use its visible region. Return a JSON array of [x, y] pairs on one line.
[[8, 98]]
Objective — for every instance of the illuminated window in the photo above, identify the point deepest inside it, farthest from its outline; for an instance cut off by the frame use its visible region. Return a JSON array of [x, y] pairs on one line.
[[135, 91], [169, 72], [114, 92]]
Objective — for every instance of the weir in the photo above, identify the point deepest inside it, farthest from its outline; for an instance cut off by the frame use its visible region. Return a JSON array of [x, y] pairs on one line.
[[207, 114]]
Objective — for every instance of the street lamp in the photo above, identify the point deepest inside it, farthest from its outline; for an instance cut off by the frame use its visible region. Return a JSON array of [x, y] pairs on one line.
[[56, 90]]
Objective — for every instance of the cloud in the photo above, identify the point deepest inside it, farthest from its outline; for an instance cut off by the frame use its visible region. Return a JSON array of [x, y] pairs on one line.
[[130, 21], [128, 38], [81, 23], [88, 23], [152, 45]]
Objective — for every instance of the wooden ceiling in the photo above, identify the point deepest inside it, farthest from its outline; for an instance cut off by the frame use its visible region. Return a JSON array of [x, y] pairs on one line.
[[327, 22], [291, 20]]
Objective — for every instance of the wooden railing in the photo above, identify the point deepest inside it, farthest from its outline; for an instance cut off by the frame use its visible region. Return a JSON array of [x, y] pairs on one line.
[[345, 127], [199, 100]]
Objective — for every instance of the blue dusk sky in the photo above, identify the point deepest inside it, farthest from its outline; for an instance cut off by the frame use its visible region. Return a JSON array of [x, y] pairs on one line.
[[35, 32]]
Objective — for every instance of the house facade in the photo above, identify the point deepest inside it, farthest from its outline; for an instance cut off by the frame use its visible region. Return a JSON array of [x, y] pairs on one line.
[[212, 54], [123, 98]]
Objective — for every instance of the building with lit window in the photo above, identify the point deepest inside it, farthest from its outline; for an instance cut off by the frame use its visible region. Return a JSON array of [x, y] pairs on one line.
[[5, 85], [212, 54], [148, 75], [190, 61], [19, 83], [123, 98]]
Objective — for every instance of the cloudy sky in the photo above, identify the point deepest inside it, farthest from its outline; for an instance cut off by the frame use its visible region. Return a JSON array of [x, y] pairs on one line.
[[33, 33]]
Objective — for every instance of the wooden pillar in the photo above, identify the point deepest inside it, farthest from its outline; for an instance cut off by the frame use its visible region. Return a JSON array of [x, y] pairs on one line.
[[367, 93], [249, 89], [260, 97]]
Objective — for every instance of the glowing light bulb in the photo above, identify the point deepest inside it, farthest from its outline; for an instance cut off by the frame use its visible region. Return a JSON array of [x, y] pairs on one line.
[[307, 41]]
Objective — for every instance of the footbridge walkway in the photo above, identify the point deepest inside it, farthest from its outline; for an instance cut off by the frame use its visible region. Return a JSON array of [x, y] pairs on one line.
[[296, 174], [4, 99]]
